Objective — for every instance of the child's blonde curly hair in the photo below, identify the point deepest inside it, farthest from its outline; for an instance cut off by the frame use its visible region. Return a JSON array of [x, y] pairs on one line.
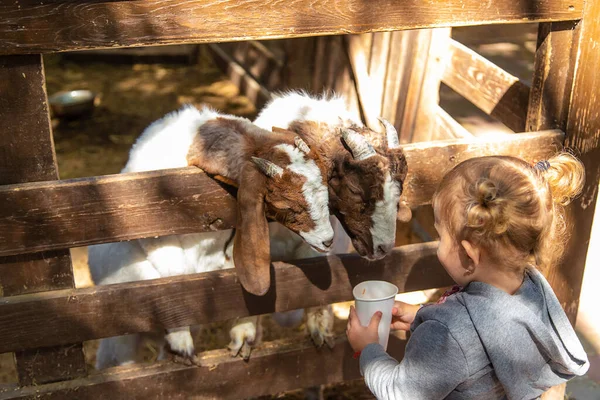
[[513, 210]]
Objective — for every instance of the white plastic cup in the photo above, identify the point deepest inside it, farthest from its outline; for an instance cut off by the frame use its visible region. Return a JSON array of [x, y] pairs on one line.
[[373, 296]]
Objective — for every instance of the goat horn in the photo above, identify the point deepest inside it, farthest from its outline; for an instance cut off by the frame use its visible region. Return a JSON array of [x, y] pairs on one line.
[[360, 148], [301, 145], [391, 134], [267, 167]]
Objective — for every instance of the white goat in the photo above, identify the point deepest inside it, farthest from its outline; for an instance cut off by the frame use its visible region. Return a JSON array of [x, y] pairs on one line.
[[277, 177]]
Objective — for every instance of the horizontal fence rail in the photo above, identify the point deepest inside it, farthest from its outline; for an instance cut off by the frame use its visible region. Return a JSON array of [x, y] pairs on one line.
[[274, 367], [60, 214], [74, 315], [487, 86], [29, 26], [109, 208]]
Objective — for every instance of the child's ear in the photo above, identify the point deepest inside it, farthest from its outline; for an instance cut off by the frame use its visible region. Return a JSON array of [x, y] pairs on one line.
[[472, 251]]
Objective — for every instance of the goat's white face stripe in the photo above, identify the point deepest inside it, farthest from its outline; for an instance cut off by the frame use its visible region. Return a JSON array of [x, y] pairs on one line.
[[383, 228], [315, 193]]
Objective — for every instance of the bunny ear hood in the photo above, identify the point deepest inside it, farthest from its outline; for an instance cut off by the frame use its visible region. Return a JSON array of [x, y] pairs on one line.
[[527, 336]]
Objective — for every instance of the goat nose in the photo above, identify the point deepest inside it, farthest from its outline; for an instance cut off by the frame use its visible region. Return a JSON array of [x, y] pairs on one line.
[[383, 249], [328, 243]]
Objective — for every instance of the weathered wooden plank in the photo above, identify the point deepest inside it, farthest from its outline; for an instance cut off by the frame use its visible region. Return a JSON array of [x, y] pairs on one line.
[[426, 94], [26, 146], [299, 66], [73, 315], [396, 80], [27, 155], [416, 46], [50, 364], [448, 127], [583, 136], [378, 69], [33, 27], [359, 53], [248, 84], [35, 272], [559, 51], [318, 72], [553, 76], [78, 212], [487, 86], [84, 211], [274, 367], [429, 162], [257, 60]]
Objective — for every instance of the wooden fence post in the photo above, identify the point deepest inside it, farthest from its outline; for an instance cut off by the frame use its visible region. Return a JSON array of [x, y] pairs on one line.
[[564, 95], [27, 154]]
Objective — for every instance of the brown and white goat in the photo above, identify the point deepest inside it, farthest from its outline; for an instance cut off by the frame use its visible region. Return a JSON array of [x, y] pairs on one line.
[[365, 171], [277, 176]]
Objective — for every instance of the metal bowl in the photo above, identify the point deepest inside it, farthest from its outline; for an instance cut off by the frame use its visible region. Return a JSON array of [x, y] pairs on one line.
[[73, 103]]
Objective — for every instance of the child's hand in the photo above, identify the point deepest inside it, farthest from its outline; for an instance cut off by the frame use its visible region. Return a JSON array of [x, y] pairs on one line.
[[403, 314], [360, 336]]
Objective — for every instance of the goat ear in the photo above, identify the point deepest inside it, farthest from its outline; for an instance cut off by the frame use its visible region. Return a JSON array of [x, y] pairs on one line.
[[251, 254]]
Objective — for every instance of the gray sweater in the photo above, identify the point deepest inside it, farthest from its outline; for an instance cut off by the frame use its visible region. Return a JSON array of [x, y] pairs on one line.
[[481, 343]]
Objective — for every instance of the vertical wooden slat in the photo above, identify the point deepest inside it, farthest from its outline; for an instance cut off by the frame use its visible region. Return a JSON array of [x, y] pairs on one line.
[[359, 52], [564, 95], [335, 60], [396, 83], [429, 61], [583, 136], [318, 81], [345, 84], [378, 69], [553, 76], [299, 63], [26, 155]]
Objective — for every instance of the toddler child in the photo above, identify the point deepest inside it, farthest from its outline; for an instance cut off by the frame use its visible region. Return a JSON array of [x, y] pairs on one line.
[[501, 333]]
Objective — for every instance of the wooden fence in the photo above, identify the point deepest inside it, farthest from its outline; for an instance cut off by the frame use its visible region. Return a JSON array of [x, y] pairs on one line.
[[44, 319]]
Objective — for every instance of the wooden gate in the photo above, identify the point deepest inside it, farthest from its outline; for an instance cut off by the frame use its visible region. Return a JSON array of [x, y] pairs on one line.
[[44, 319]]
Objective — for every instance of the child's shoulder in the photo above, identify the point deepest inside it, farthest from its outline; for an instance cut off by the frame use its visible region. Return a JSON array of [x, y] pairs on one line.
[[452, 313]]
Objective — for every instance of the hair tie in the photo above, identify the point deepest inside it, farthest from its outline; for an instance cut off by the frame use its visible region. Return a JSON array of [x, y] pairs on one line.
[[542, 166]]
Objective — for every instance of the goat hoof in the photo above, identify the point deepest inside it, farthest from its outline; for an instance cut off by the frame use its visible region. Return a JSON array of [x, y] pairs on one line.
[[188, 361], [320, 338], [320, 324], [244, 350]]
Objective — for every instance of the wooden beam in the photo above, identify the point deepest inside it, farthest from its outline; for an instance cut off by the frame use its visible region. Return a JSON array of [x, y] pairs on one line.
[[79, 212], [274, 367], [411, 52], [396, 78], [73, 315], [583, 136], [487, 86], [430, 64], [428, 162], [554, 68], [27, 155], [447, 127], [62, 25], [85, 211], [560, 98], [247, 84]]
